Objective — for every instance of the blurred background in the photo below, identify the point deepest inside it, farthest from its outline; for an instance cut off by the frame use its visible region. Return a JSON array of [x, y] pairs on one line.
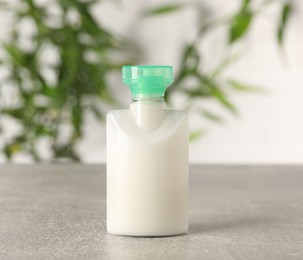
[[238, 72]]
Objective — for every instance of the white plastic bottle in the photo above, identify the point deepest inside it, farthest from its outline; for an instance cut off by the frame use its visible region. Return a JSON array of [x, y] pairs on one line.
[[147, 159]]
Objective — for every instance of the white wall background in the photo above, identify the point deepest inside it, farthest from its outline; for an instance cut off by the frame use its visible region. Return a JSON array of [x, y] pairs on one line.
[[270, 126]]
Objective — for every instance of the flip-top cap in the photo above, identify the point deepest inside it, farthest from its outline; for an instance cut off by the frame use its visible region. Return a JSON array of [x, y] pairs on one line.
[[147, 80]]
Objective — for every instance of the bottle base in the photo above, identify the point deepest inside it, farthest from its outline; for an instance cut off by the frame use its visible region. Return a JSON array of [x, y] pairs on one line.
[[147, 234]]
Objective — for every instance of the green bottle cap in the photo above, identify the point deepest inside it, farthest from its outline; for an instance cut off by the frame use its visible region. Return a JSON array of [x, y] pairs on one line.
[[147, 81]]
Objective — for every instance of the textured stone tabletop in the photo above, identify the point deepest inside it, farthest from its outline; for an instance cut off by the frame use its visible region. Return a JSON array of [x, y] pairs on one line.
[[236, 212]]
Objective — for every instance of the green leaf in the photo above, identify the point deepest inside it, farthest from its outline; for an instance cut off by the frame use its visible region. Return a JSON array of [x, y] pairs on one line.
[[211, 116], [97, 113], [67, 151], [220, 96], [244, 87], [49, 92], [163, 9], [199, 92], [191, 58], [239, 25], [216, 92], [14, 112], [197, 134], [225, 64], [16, 55], [91, 26], [284, 17], [77, 118], [76, 78], [13, 147], [41, 130], [245, 4]]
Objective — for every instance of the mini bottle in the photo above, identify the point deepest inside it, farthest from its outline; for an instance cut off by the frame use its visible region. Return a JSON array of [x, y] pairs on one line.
[[147, 159]]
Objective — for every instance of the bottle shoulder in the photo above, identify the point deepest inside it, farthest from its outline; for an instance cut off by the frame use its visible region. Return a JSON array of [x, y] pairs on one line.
[[120, 112], [122, 121]]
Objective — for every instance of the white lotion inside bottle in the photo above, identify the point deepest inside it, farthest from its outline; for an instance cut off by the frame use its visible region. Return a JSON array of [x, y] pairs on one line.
[[147, 160]]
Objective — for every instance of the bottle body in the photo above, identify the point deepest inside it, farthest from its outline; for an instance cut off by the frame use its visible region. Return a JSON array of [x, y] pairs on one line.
[[147, 171]]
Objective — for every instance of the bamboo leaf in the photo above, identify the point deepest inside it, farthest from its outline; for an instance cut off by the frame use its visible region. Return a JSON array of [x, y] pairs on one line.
[[190, 61], [16, 113], [244, 87], [163, 9], [211, 116], [284, 17], [97, 113], [216, 92], [239, 25], [16, 55], [77, 118], [245, 4], [12, 148], [76, 79], [199, 92], [49, 92], [225, 64], [41, 130], [191, 58], [66, 151], [197, 134], [220, 96]]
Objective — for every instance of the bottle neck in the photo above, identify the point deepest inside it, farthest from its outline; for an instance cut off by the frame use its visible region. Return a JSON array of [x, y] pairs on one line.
[[148, 112], [148, 99]]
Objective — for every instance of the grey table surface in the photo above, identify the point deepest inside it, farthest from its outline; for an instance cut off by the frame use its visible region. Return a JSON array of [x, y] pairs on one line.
[[236, 212]]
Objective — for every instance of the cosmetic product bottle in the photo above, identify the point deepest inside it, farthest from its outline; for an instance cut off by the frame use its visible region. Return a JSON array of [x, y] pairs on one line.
[[147, 159]]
